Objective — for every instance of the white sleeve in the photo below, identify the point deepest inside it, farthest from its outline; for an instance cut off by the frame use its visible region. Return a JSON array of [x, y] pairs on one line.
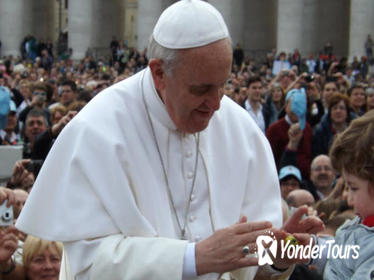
[[189, 262], [119, 257]]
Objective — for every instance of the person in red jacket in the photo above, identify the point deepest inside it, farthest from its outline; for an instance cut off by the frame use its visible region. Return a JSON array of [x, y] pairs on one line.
[[291, 137]]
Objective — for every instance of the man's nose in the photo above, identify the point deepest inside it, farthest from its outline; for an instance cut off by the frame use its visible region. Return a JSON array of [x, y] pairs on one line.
[[214, 99]]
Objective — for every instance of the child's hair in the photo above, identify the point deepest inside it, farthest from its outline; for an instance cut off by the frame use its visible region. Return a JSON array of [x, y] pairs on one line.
[[336, 221], [328, 208], [353, 149]]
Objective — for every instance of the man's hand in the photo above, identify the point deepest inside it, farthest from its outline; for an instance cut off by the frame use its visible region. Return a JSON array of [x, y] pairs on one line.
[[36, 101], [294, 135], [222, 251]]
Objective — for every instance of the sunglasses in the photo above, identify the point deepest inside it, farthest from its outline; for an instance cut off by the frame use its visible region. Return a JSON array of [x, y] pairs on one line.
[[39, 93]]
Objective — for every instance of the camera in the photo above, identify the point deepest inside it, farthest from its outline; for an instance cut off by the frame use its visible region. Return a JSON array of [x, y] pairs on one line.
[[309, 78], [34, 165], [6, 215]]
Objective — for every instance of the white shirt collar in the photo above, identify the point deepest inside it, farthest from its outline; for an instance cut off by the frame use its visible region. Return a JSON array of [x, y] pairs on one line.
[[288, 120], [3, 134], [249, 108]]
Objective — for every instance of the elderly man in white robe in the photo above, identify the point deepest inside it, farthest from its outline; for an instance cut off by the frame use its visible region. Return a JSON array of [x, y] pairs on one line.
[[161, 176]]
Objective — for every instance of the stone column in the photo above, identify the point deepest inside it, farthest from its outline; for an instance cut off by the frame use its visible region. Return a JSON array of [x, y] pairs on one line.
[[105, 22], [361, 24], [290, 25], [333, 25], [310, 18], [232, 12], [236, 27], [11, 28], [260, 27], [148, 13], [27, 17], [43, 25], [130, 35], [80, 27]]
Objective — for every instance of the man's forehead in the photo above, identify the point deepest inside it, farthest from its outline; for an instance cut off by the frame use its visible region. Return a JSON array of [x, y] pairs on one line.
[[35, 118], [330, 85], [321, 162]]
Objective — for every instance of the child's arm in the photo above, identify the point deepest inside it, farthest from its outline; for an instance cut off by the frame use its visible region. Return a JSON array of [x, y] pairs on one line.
[[320, 263]]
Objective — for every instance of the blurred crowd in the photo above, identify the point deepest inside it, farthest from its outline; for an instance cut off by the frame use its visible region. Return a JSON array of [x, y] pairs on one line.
[[300, 104]]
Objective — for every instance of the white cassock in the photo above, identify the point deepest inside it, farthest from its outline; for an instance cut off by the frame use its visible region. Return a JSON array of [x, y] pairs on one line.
[[102, 192]]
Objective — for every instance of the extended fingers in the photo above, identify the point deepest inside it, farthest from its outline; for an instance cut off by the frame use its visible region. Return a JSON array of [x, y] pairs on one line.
[[247, 261], [250, 227], [312, 224]]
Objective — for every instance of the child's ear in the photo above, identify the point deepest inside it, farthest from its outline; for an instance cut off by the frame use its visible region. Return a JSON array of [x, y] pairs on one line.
[[371, 189]]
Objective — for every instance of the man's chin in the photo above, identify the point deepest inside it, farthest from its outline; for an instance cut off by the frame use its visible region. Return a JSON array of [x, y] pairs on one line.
[[196, 127]]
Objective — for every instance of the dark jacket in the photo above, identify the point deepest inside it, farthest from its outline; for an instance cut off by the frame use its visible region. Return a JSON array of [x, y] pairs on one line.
[[323, 136], [270, 112]]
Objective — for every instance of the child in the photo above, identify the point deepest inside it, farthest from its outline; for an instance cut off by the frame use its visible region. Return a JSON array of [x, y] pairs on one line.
[[352, 154]]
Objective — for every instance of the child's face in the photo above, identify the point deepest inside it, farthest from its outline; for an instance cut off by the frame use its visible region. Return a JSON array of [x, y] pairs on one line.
[[360, 195]]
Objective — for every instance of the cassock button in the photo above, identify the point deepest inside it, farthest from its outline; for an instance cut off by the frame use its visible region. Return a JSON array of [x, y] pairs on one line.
[[188, 154], [192, 197], [197, 238], [189, 175], [192, 218]]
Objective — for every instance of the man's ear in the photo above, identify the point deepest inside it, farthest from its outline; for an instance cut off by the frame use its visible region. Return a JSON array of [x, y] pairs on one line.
[[158, 73]]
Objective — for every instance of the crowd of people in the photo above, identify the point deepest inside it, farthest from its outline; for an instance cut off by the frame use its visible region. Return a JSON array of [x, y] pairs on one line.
[[299, 103]]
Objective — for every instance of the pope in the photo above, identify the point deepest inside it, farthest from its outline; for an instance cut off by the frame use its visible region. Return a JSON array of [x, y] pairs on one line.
[[161, 176]]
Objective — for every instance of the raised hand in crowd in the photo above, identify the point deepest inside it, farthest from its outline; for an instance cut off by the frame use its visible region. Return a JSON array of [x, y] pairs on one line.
[[7, 194], [56, 128], [9, 269], [8, 245], [21, 177], [294, 134]]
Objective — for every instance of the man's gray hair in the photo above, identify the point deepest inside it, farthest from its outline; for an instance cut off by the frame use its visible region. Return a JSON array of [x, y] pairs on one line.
[[168, 56], [37, 113]]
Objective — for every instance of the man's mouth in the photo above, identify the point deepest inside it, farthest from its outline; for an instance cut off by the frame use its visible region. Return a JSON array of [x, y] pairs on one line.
[[204, 113], [322, 177]]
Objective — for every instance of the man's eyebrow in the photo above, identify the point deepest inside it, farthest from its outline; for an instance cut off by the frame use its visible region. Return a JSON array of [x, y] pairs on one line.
[[201, 86], [209, 85]]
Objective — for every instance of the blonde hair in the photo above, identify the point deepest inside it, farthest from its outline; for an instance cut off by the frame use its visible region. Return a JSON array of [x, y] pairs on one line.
[[58, 108], [34, 246], [353, 149], [76, 106]]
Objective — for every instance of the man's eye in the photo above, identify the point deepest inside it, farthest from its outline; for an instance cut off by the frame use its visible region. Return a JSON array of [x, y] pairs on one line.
[[199, 90]]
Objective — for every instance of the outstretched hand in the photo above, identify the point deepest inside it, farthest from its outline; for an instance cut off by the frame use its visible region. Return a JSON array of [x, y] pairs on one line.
[[222, 251]]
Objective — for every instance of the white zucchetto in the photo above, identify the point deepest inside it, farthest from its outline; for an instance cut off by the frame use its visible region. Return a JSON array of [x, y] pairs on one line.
[[189, 24]]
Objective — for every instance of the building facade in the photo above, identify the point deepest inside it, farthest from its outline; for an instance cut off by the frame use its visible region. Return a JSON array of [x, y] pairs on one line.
[[258, 26]]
